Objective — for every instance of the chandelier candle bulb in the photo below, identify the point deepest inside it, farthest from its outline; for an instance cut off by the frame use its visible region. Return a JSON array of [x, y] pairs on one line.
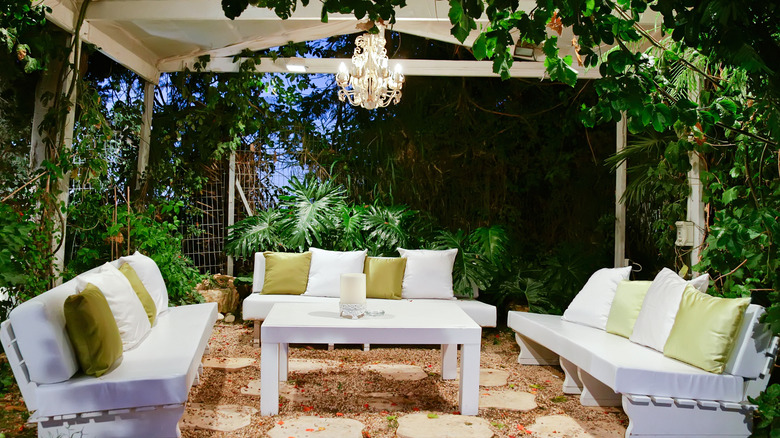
[[352, 303]]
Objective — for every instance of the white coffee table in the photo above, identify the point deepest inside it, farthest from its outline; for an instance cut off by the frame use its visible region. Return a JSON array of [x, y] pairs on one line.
[[404, 322]]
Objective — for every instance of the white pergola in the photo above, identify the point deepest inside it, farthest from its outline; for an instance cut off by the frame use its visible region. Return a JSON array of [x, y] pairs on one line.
[[151, 37]]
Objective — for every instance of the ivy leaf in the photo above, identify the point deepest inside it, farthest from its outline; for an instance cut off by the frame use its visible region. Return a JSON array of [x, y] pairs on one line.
[[462, 23], [730, 195], [480, 47], [234, 8]]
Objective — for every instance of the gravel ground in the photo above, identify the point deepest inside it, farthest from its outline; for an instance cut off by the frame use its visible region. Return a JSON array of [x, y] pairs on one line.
[[344, 391]]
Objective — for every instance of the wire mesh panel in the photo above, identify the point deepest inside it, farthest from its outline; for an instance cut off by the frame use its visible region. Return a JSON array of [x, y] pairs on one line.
[[204, 232]]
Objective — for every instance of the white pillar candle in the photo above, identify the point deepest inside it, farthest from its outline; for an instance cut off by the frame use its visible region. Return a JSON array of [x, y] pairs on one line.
[[353, 288]]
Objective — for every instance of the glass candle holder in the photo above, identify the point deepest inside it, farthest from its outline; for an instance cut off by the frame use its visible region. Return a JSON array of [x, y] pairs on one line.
[[352, 302]]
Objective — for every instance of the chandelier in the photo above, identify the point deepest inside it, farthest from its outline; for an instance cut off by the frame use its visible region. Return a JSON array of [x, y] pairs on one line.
[[369, 83]]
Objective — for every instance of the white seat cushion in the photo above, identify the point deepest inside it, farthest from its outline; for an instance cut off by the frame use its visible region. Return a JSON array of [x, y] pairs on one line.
[[625, 367], [256, 306], [159, 371]]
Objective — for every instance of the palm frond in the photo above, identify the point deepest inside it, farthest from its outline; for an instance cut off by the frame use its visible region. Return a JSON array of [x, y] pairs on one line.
[[470, 270], [311, 211], [387, 227], [253, 234]]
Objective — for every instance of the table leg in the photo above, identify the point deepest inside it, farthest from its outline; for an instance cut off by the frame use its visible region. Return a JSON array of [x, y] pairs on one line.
[[449, 361], [284, 351], [269, 378], [469, 379]]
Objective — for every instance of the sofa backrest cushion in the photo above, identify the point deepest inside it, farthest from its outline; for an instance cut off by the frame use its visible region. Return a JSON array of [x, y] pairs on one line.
[[385, 277], [659, 308], [591, 305], [140, 290], [705, 329], [626, 306], [92, 331], [428, 273], [39, 327], [127, 309], [150, 276], [326, 269], [258, 276], [286, 273]]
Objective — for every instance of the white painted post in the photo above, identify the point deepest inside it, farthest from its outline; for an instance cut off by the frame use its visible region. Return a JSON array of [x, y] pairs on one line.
[[63, 184], [231, 213], [146, 132], [696, 207], [620, 190]]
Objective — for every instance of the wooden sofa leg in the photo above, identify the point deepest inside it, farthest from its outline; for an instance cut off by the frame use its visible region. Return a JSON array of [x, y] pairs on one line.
[[666, 416], [256, 333], [595, 393], [532, 353], [366, 347], [572, 383]]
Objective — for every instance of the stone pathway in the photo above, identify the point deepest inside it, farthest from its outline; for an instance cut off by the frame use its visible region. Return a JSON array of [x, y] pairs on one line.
[[228, 363], [562, 426], [492, 377], [456, 426], [398, 372], [387, 401], [316, 427], [310, 365], [509, 400], [220, 418]]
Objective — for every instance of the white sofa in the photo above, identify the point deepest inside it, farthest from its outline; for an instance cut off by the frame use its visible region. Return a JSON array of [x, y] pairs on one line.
[[143, 396], [256, 306], [660, 395]]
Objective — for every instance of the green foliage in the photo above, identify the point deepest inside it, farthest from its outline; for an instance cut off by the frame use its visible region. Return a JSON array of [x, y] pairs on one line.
[[314, 213], [100, 233], [767, 422], [18, 20]]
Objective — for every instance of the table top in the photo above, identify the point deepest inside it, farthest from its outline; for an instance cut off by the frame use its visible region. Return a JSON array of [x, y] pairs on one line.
[[404, 322]]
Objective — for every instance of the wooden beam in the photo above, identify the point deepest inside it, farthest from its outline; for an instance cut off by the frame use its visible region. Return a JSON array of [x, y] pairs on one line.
[[118, 45], [231, 207], [201, 10], [696, 207], [411, 67], [621, 179]]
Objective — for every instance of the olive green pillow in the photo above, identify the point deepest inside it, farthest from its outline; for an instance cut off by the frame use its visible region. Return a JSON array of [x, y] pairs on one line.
[[92, 331], [626, 305], [705, 329], [286, 273], [384, 277], [148, 302]]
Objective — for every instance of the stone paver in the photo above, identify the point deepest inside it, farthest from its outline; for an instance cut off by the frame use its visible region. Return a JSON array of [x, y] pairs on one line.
[[455, 426], [386, 401], [398, 372], [310, 365], [491, 377], [290, 392], [562, 426], [509, 400], [221, 418], [316, 427], [228, 363]]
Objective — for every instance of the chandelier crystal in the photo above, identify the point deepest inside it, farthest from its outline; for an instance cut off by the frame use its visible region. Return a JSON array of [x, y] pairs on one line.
[[370, 83]]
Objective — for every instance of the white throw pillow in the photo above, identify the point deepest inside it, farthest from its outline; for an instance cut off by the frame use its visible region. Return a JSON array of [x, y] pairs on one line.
[[127, 309], [591, 305], [258, 276], [326, 269], [659, 309], [428, 273], [151, 277]]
